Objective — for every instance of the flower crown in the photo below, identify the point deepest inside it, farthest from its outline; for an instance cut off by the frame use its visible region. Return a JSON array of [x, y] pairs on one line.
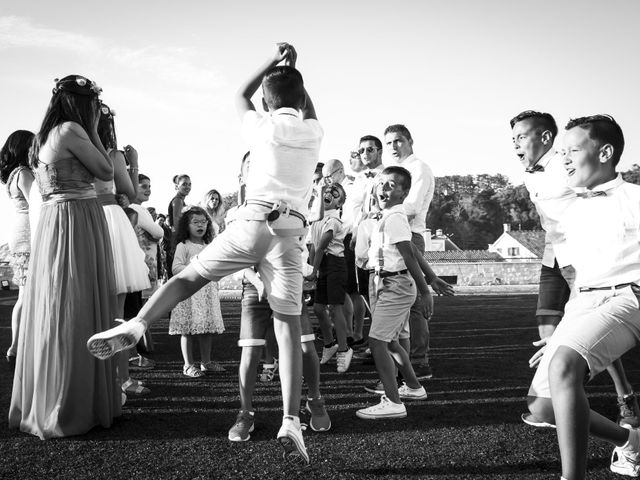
[[78, 85]]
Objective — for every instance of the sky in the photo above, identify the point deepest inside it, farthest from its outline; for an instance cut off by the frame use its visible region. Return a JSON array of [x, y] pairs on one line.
[[454, 72]]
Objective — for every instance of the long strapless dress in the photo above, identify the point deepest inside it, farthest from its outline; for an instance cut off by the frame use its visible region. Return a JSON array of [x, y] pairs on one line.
[[59, 388]]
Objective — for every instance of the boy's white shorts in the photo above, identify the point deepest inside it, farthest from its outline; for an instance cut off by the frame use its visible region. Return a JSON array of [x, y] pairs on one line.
[[600, 325], [246, 243]]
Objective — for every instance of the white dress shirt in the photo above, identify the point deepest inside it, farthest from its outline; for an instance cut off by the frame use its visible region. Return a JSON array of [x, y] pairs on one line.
[[551, 195], [603, 235], [395, 229]]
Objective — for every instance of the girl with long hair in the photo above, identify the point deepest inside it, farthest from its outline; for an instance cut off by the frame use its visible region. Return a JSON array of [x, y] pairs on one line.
[[212, 204]]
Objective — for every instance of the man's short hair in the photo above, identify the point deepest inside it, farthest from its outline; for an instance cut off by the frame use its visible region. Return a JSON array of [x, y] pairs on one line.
[[371, 138], [398, 128], [283, 87], [402, 173], [603, 129], [541, 121]]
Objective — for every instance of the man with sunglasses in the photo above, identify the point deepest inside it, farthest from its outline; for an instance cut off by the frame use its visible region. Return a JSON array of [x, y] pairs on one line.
[[416, 205], [533, 134]]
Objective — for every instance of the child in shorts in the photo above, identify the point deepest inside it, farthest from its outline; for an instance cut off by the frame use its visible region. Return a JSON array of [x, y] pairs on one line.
[[267, 232], [393, 291], [602, 320], [330, 268]]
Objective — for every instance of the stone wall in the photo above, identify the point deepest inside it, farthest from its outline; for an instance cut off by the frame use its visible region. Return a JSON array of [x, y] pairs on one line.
[[490, 273]]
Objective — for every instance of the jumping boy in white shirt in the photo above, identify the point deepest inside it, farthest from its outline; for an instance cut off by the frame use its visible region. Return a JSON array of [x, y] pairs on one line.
[[268, 230], [602, 321]]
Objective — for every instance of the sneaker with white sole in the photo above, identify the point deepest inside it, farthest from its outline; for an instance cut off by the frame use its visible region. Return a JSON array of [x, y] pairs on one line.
[[529, 419], [269, 371], [629, 416], [408, 393], [344, 360], [240, 432], [328, 352], [376, 387], [290, 437], [385, 409], [624, 462], [320, 421], [105, 344]]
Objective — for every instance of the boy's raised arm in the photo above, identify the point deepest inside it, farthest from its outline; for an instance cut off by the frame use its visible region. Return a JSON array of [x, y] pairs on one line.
[[250, 86]]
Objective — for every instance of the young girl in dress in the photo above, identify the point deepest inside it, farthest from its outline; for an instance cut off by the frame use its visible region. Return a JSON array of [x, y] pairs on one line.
[[212, 203], [59, 389], [16, 174], [198, 315]]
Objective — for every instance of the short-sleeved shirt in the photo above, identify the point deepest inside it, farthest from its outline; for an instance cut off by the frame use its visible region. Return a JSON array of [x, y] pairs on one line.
[[551, 195], [284, 152], [603, 235], [421, 193], [330, 221], [362, 192], [395, 229]]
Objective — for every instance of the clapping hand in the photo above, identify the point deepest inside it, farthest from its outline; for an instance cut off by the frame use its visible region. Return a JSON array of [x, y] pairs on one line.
[[535, 360]]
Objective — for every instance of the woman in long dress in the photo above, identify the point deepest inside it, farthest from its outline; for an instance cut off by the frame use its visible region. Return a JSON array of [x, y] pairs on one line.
[[16, 174], [59, 389]]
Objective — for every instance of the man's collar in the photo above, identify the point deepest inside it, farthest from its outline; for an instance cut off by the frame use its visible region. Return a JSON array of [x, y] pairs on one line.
[[286, 111], [333, 213], [396, 208], [603, 187], [544, 160]]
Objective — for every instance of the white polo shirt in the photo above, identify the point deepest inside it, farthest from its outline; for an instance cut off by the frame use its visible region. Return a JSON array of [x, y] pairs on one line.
[[603, 235], [551, 195], [395, 229], [284, 152], [421, 193], [330, 221]]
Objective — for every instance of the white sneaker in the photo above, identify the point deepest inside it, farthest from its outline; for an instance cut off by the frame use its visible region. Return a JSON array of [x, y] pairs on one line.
[[344, 360], [126, 335], [385, 409], [327, 353], [406, 392], [290, 437], [624, 462]]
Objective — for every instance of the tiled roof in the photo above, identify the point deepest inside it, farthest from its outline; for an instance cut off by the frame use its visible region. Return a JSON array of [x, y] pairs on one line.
[[462, 256], [532, 240]]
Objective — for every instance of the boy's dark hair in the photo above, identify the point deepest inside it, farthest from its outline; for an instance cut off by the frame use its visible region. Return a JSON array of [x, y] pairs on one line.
[[541, 121], [401, 172], [398, 128], [603, 129], [142, 176], [373, 139], [182, 176], [283, 87]]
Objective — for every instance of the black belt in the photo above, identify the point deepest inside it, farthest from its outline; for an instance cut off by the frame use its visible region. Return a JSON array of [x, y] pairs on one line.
[[385, 274], [614, 287], [275, 213]]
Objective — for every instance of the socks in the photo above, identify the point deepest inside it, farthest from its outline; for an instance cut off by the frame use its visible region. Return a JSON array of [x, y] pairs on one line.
[[633, 443]]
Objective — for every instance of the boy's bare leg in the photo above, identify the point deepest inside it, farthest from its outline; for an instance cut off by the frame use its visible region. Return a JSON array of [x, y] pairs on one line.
[[402, 360], [619, 377], [287, 330], [385, 368], [326, 327], [347, 310], [340, 324], [311, 369], [247, 375], [358, 316]]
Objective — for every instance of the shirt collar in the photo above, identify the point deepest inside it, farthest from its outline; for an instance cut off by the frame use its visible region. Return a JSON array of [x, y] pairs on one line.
[[604, 187], [334, 213], [396, 208], [285, 111], [546, 158]]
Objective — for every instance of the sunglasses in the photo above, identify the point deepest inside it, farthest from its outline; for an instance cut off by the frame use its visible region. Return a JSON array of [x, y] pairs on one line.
[[335, 192], [368, 150], [198, 223]]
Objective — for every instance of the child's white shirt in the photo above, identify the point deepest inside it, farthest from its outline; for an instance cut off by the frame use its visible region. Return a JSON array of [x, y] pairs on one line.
[[395, 229]]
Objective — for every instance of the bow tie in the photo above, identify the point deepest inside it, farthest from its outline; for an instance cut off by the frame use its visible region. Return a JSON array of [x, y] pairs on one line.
[[370, 174], [535, 168], [376, 215], [591, 194]]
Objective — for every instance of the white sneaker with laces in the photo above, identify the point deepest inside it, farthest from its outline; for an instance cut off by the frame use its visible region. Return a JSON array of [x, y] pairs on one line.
[[625, 462], [406, 392], [344, 360], [327, 353], [126, 335], [385, 409], [290, 437]]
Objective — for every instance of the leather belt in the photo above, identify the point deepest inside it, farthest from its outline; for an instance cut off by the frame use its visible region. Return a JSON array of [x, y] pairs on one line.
[[614, 287], [274, 214], [385, 274]]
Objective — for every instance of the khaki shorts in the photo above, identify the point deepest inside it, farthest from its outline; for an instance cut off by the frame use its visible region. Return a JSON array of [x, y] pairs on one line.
[[390, 310], [600, 326], [247, 243]]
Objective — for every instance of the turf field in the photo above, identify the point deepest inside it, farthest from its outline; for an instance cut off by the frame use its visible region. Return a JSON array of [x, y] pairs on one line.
[[468, 428]]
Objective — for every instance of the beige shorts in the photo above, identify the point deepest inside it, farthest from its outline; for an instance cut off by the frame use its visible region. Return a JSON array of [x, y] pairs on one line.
[[600, 326], [390, 310], [246, 243]]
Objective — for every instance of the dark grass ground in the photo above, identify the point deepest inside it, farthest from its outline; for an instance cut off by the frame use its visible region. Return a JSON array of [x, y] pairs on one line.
[[469, 426]]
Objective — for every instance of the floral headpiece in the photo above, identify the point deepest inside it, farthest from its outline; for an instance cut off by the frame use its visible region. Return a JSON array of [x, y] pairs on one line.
[[77, 85]]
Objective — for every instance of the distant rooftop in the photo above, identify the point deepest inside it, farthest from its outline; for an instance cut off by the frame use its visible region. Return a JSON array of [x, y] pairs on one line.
[[532, 240], [462, 256]]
